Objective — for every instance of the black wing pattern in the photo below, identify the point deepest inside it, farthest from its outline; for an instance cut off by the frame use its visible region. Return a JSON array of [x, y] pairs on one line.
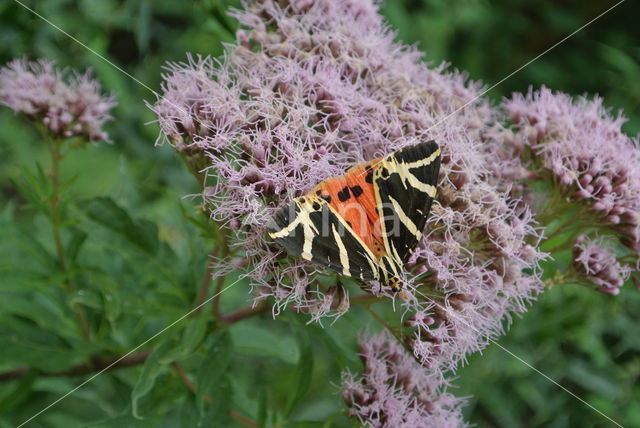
[[405, 183], [310, 228]]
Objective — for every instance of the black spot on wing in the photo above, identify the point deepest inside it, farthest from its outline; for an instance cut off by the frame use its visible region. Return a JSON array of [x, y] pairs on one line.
[[369, 177], [343, 194], [356, 190]]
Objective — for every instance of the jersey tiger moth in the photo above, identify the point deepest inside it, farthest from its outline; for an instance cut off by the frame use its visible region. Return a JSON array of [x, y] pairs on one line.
[[366, 223]]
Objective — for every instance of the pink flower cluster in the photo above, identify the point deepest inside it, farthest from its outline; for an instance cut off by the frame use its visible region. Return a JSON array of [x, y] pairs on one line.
[[583, 146], [313, 87], [395, 391], [70, 108], [598, 264]]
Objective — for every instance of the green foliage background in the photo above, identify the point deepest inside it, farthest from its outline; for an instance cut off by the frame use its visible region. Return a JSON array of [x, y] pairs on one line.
[[141, 253]]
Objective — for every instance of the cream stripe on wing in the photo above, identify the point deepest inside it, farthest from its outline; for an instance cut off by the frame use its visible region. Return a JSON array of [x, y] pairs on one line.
[[423, 162], [344, 256], [285, 231], [413, 181], [310, 231], [410, 225], [395, 256], [369, 256]]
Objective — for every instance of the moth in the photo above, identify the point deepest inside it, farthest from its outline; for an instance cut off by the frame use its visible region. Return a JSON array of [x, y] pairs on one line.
[[366, 223]]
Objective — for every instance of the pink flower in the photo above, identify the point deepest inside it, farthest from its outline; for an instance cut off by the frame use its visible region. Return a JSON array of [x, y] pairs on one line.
[[309, 89], [66, 107], [598, 265], [582, 146], [397, 392]]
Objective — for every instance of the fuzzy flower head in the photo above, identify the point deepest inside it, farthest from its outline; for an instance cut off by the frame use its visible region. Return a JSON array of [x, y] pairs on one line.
[[598, 264], [588, 156], [313, 87], [65, 107], [395, 391]]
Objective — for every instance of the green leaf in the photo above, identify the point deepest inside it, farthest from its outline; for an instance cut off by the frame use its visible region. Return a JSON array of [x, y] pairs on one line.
[[25, 343], [45, 310], [304, 369], [194, 334], [262, 408], [213, 369], [78, 238], [155, 365], [20, 392], [591, 380], [21, 248], [344, 356], [141, 233], [251, 339], [88, 298], [206, 226], [143, 33], [35, 188]]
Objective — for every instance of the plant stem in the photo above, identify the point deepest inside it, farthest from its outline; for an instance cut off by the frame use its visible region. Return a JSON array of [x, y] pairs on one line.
[[56, 157], [246, 312], [206, 282], [224, 252], [55, 146]]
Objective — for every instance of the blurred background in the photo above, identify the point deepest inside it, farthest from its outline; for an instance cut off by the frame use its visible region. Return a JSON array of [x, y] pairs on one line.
[[586, 341]]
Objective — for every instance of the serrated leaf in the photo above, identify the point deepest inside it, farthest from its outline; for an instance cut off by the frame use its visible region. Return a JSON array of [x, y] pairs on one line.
[[35, 187], [44, 310], [304, 368]]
